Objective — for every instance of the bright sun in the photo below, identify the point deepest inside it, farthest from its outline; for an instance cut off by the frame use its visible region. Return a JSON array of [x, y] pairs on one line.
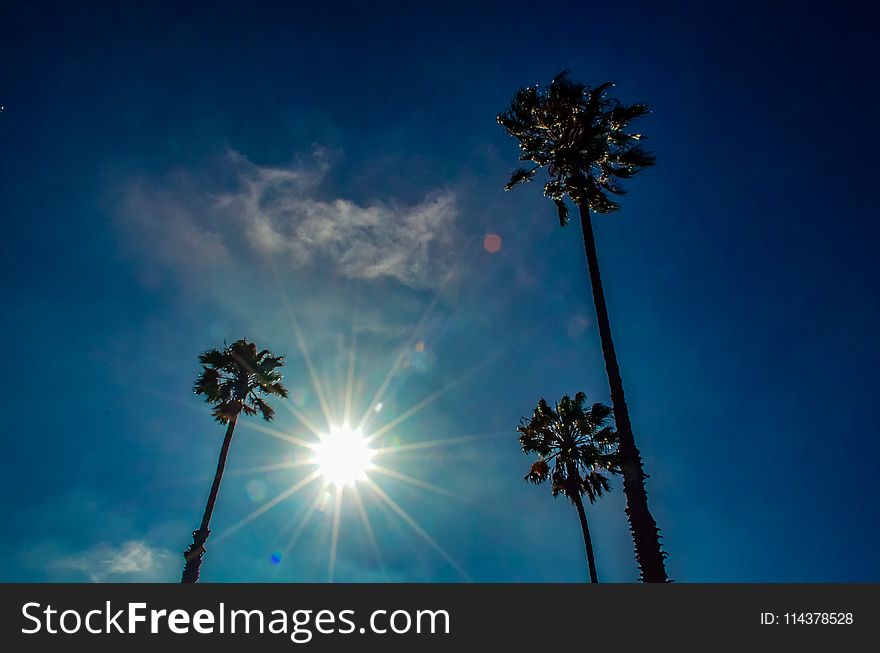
[[343, 456]]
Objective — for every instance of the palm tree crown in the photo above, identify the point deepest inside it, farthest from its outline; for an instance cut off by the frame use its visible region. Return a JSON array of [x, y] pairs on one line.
[[580, 444], [582, 447], [581, 137], [233, 378]]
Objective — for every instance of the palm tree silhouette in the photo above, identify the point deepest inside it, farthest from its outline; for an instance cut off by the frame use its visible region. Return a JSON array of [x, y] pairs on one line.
[[579, 135], [231, 380], [581, 445]]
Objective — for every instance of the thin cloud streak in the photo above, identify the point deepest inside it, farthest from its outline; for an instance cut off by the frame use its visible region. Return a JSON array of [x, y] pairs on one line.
[[192, 225], [131, 561]]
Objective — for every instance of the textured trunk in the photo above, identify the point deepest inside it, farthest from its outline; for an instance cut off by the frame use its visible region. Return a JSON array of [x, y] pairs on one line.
[[193, 555], [646, 536], [588, 542]]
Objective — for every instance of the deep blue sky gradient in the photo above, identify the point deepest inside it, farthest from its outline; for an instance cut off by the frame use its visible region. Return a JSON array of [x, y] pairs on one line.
[[741, 276]]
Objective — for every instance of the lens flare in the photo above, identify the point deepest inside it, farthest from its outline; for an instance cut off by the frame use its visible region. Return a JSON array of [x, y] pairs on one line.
[[492, 243], [256, 490]]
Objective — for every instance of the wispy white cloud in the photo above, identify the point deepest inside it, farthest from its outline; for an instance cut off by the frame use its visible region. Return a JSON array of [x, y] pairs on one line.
[[131, 561], [244, 212]]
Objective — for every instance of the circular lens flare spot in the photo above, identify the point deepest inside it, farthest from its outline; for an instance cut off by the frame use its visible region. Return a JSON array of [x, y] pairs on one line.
[[275, 558], [492, 243], [256, 490], [343, 456]]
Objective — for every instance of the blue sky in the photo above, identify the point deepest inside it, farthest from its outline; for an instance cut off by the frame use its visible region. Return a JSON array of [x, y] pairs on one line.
[[173, 176]]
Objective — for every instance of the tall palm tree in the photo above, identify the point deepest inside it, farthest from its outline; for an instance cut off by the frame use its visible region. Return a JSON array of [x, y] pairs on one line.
[[582, 447], [232, 380], [580, 136]]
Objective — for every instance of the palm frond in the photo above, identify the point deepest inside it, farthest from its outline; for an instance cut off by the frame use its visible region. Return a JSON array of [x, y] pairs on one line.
[[519, 175], [601, 203], [635, 158], [622, 115], [226, 410], [208, 383], [213, 358], [265, 409], [538, 472], [562, 210], [594, 485], [266, 361], [596, 94], [599, 413], [606, 436], [275, 388]]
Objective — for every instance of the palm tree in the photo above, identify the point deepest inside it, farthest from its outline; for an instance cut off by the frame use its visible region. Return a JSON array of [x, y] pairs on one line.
[[582, 447], [580, 136], [231, 380]]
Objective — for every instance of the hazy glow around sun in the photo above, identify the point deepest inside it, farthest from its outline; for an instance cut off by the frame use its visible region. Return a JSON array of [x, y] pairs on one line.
[[343, 456]]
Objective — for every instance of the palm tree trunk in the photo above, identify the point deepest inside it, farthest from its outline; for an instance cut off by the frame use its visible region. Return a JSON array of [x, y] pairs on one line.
[[588, 542], [645, 533], [193, 555]]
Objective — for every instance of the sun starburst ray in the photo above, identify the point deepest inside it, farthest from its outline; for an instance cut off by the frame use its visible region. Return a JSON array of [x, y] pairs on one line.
[[334, 538], [427, 401], [368, 528], [289, 492], [440, 442], [303, 522], [301, 417], [349, 380], [278, 435], [407, 347], [411, 480], [395, 366], [303, 347], [271, 467], [436, 489], [391, 503]]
